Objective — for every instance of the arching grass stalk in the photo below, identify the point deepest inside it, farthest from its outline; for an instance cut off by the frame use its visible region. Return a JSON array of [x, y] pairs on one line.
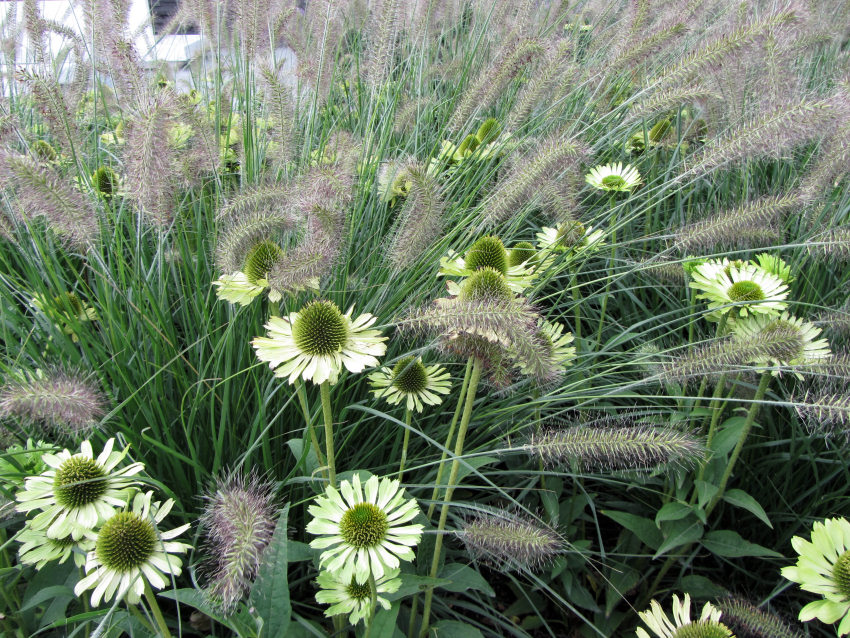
[[155, 610], [329, 432], [404, 444], [721, 326], [576, 293], [450, 487]]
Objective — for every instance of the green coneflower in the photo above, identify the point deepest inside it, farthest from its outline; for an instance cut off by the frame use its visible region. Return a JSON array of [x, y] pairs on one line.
[[707, 626], [614, 177], [558, 344], [747, 289], [79, 492], [412, 382], [106, 181], [242, 286], [824, 568], [487, 252], [130, 551], [317, 341], [802, 334], [521, 253], [571, 236], [364, 529], [38, 549], [353, 598], [64, 310]]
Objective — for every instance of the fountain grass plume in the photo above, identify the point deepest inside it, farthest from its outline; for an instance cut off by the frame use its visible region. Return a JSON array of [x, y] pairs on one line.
[[831, 245], [42, 191], [616, 444], [239, 519], [510, 541], [420, 219], [246, 231], [64, 404], [748, 621]]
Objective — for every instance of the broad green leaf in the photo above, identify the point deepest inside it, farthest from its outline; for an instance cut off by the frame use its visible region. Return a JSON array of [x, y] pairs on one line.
[[620, 580], [46, 594], [643, 528], [672, 512], [463, 577], [414, 584], [454, 629], [270, 592], [739, 498], [296, 551], [701, 587], [679, 533], [705, 492], [727, 435], [196, 599], [730, 544], [475, 463]]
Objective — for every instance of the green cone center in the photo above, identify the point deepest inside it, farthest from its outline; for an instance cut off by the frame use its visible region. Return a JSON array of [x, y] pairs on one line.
[[260, 260], [521, 253], [704, 629], [321, 329], [410, 376], [79, 481], [841, 574], [570, 234], [358, 591], [746, 291], [613, 182], [105, 180], [487, 252], [485, 285], [364, 525], [125, 542]]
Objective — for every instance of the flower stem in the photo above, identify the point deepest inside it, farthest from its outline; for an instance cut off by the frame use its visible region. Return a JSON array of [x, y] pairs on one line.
[[576, 293], [748, 424], [450, 487], [305, 409], [612, 205], [404, 444], [373, 593], [329, 432], [155, 610]]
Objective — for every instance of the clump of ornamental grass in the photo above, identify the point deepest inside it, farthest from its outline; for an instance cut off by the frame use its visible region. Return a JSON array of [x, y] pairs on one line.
[[748, 621], [510, 541], [612, 444], [239, 519], [420, 219], [65, 404]]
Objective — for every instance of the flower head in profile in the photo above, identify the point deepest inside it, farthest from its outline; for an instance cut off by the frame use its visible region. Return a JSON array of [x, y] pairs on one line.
[[353, 598], [106, 182], [556, 342], [775, 265], [571, 237], [707, 626], [823, 567], [614, 177], [364, 529], [802, 349], [746, 289], [79, 491], [242, 286], [38, 549], [130, 551], [411, 381], [317, 341], [487, 252]]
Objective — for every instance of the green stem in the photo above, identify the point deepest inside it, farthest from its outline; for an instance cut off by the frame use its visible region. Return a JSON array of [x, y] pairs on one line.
[[441, 467], [576, 306], [404, 445], [373, 592], [157, 613], [329, 432], [610, 269], [755, 406], [450, 487], [308, 420]]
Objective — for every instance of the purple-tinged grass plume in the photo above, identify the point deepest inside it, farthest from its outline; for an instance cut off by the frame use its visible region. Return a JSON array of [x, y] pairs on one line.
[[239, 520], [748, 621], [420, 219], [831, 245], [510, 541]]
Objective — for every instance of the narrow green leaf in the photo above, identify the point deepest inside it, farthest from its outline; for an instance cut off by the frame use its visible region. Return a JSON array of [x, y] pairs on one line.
[[672, 512], [464, 577], [270, 592], [454, 629], [679, 533]]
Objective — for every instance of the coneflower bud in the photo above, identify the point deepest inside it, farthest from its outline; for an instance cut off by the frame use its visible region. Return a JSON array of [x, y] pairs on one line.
[[485, 285], [105, 181], [239, 520], [747, 621], [510, 541], [66, 404], [260, 260], [606, 447], [521, 253], [487, 252]]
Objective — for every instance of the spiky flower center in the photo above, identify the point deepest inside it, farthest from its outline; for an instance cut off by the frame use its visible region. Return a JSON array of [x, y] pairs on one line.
[[521, 253], [125, 542], [105, 180], [321, 329], [485, 285], [746, 291], [410, 376], [570, 233], [260, 259], [364, 525], [79, 481], [613, 181], [358, 591], [704, 629], [487, 252], [841, 574]]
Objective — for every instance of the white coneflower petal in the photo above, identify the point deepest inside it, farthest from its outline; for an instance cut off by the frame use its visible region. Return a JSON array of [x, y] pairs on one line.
[[363, 536], [614, 177], [353, 598], [746, 289], [316, 342], [38, 549], [707, 626], [807, 351]]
